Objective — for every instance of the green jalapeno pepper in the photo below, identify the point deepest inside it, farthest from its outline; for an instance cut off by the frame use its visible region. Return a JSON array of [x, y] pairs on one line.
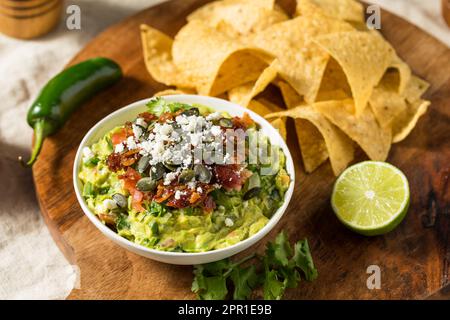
[[64, 94]]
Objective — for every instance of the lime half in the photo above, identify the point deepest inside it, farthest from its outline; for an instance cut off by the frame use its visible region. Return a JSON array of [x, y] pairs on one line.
[[371, 197]]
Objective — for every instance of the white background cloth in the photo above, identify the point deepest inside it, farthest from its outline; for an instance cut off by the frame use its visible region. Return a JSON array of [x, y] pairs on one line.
[[31, 265]]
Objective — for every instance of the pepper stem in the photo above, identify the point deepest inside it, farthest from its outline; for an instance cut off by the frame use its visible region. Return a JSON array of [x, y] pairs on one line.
[[39, 137]]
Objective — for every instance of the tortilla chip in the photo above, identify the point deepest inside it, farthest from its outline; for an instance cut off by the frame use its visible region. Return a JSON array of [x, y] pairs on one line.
[[334, 85], [223, 8], [169, 92], [290, 96], [243, 16], [348, 10], [302, 63], [415, 88], [364, 57], [312, 144], [214, 61], [280, 125], [405, 122], [385, 101], [157, 49], [319, 138], [263, 107], [404, 72], [364, 130], [242, 95]]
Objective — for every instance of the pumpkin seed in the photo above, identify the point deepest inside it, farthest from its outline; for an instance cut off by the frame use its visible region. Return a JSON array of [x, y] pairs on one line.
[[202, 173], [225, 123], [157, 171], [170, 166], [186, 176], [146, 184], [143, 164], [191, 112], [253, 186], [275, 195], [120, 200]]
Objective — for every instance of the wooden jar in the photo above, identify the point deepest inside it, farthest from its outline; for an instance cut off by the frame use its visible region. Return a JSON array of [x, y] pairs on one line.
[[26, 19]]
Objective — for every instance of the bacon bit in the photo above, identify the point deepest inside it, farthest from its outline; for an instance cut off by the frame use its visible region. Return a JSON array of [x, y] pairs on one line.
[[130, 152], [126, 162], [247, 120], [147, 116], [165, 117], [117, 161], [242, 123], [189, 197], [195, 196], [113, 161], [162, 194], [231, 176], [129, 157], [183, 202]]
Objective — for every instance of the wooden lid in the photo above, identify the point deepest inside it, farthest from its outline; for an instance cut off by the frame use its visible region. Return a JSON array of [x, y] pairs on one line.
[[446, 11], [27, 8], [29, 22]]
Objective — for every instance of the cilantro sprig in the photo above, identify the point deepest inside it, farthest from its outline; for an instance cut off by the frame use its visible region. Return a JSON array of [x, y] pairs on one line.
[[279, 268]]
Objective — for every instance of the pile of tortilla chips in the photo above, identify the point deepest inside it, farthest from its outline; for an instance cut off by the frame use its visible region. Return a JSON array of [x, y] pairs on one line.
[[343, 84]]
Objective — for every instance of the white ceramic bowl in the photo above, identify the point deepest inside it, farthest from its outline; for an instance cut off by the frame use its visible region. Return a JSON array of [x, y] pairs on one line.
[[129, 112]]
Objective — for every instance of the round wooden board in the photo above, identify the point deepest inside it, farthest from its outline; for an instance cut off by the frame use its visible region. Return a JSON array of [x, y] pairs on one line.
[[414, 259]]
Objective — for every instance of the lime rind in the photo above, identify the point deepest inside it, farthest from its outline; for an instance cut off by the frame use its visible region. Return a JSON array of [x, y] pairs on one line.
[[351, 199]]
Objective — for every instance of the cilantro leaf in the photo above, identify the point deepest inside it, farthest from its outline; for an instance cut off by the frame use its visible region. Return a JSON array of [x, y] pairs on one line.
[[303, 260], [244, 280], [156, 209], [157, 106], [209, 280], [280, 270], [273, 288], [92, 162], [217, 267], [210, 288], [279, 251], [290, 275], [122, 223]]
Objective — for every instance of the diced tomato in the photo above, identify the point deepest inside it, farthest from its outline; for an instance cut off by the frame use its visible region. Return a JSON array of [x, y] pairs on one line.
[[136, 201], [119, 136], [131, 174], [130, 178], [231, 176]]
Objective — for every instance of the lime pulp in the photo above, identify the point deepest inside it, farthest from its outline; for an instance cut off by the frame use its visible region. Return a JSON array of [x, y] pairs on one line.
[[371, 197]]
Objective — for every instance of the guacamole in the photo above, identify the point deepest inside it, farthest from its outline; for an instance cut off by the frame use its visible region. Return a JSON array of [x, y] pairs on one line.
[[145, 181]]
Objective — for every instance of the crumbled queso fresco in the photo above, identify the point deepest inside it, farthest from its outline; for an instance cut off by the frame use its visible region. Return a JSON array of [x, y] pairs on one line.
[[179, 142]]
